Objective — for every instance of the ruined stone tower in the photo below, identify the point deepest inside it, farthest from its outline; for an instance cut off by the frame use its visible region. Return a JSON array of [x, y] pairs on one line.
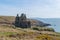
[[22, 21]]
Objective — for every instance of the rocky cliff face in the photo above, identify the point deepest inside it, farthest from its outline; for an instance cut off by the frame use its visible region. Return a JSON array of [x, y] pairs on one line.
[[35, 22]]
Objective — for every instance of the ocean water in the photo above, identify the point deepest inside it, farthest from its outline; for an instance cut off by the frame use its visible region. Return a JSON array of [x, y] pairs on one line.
[[55, 22]]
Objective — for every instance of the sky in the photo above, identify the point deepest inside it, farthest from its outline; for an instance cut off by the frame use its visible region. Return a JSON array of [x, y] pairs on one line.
[[32, 8]]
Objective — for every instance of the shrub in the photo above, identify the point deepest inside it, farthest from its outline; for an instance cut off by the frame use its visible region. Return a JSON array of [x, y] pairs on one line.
[[51, 29], [35, 29]]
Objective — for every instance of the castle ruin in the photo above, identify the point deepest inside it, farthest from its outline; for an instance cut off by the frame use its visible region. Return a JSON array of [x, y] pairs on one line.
[[22, 21]]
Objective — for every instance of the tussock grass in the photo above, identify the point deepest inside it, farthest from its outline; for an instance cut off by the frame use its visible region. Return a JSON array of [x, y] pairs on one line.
[[10, 33], [43, 29]]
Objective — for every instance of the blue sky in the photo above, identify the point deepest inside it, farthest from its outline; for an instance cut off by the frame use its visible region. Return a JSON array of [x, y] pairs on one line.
[[32, 8]]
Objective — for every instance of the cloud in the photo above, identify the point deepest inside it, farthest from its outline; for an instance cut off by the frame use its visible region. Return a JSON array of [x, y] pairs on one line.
[[33, 8]]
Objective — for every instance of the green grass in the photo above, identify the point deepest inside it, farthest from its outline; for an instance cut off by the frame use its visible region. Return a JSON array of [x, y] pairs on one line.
[[7, 33]]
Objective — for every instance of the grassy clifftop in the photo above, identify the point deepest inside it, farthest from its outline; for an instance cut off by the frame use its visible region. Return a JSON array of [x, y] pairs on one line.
[[9, 32], [7, 18], [11, 19]]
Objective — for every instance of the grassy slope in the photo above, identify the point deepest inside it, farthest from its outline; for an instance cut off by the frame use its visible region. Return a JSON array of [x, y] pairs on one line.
[[11, 33]]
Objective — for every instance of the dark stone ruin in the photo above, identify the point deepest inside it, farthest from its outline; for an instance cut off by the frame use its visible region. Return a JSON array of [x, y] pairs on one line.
[[22, 21]]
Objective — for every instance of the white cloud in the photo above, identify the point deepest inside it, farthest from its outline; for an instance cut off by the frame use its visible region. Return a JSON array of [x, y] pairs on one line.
[[48, 8]]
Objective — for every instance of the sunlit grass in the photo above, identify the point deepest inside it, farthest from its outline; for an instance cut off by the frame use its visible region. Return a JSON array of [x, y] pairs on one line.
[[26, 34], [46, 37]]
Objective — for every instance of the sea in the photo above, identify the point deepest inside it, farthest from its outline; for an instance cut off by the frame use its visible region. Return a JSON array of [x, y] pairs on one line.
[[55, 22]]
